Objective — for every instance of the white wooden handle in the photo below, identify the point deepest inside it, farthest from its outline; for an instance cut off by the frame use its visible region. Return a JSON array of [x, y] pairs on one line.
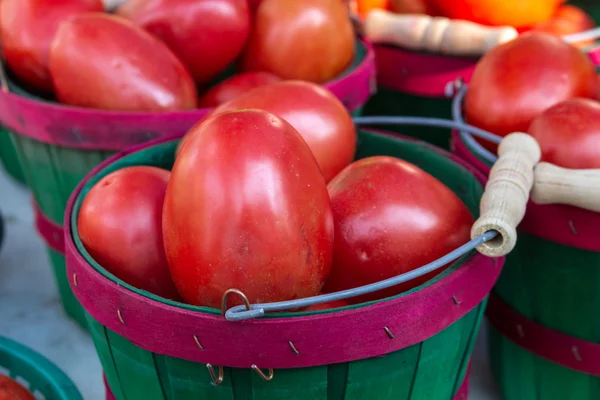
[[574, 187], [434, 34], [506, 193]]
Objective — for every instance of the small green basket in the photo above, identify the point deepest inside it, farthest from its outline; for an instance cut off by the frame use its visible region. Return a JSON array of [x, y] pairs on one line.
[[58, 145], [432, 367], [35, 372], [9, 158]]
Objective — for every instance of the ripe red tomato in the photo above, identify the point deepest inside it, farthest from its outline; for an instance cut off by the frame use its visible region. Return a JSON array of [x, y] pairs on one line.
[[120, 225], [327, 306], [569, 134], [207, 35], [27, 28], [315, 112], [516, 81], [11, 389], [247, 208], [567, 20], [104, 61], [391, 217], [235, 86], [311, 40]]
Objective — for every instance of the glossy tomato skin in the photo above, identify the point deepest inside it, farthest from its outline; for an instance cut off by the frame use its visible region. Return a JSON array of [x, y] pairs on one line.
[[27, 28], [206, 35], [235, 86], [518, 80], [327, 306], [315, 112], [104, 61], [310, 40], [517, 13], [11, 389], [567, 20], [391, 217], [247, 208], [569, 134], [120, 225]]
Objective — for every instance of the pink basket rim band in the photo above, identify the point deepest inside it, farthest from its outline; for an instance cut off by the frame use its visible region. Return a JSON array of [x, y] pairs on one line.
[[554, 346], [427, 75], [51, 233], [462, 394], [320, 339], [578, 227], [81, 128]]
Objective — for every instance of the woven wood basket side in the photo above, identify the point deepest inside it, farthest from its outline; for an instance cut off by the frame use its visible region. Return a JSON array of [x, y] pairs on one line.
[[9, 158]]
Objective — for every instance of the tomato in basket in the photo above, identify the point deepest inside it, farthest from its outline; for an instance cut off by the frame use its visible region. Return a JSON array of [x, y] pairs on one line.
[[13, 390], [120, 225], [518, 80], [569, 134], [311, 40], [104, 61], [27, 28], [320, 117], [567, 20], [391, 217], [206, 35], [234, 87], [247, 207]]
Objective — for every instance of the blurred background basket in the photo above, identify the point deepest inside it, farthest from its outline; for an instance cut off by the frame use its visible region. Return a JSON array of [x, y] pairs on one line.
[[35, 372], [424, 338], [58, 145]]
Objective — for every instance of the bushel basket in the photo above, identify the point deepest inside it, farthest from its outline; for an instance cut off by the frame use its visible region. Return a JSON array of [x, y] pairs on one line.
[[416, 345], [58, 145]]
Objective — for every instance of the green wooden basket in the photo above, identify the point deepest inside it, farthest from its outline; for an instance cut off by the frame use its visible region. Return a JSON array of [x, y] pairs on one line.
[[35, 372], [151, 348], [544, 336], [59, 145], [9, 158]]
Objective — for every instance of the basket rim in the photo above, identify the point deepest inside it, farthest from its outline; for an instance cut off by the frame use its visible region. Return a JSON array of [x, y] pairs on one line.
[[576, 227], [119, 309], [51, 373], [110, 130]]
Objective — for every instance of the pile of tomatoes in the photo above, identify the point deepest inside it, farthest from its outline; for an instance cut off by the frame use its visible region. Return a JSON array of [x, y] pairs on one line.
[[541, 85], [550, 16], [264, 197], [162, 55]]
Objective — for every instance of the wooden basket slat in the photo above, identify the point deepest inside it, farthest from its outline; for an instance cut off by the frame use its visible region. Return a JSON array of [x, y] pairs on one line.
[[9, 157]]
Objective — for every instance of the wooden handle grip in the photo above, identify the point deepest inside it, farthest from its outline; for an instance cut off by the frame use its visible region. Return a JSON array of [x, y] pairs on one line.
[[556, 185], [506, 193], [434, 34]]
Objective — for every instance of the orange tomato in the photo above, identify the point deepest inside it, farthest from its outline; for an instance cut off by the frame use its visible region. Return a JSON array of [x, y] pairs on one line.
[[517, 13], [364, 6], [567, 20]]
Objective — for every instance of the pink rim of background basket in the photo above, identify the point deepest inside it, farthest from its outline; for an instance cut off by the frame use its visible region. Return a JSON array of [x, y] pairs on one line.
[[462, 394], [424, 74], [322, 339], [114, 131]]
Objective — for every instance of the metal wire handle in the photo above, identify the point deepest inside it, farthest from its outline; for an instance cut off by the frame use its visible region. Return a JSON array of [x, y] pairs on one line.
[[243, 312]]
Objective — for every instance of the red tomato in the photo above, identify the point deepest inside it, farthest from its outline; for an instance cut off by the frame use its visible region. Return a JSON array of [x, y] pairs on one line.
[[207, 35], [391, 217], [103, 61], [569, 134], [11, 389], [327, 306], [247, 208], [233, 87], [315, 112], [518, 80], [412, 7], [567, 20], [120, 225], [27, 28], [517, 13], [311, 40]]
